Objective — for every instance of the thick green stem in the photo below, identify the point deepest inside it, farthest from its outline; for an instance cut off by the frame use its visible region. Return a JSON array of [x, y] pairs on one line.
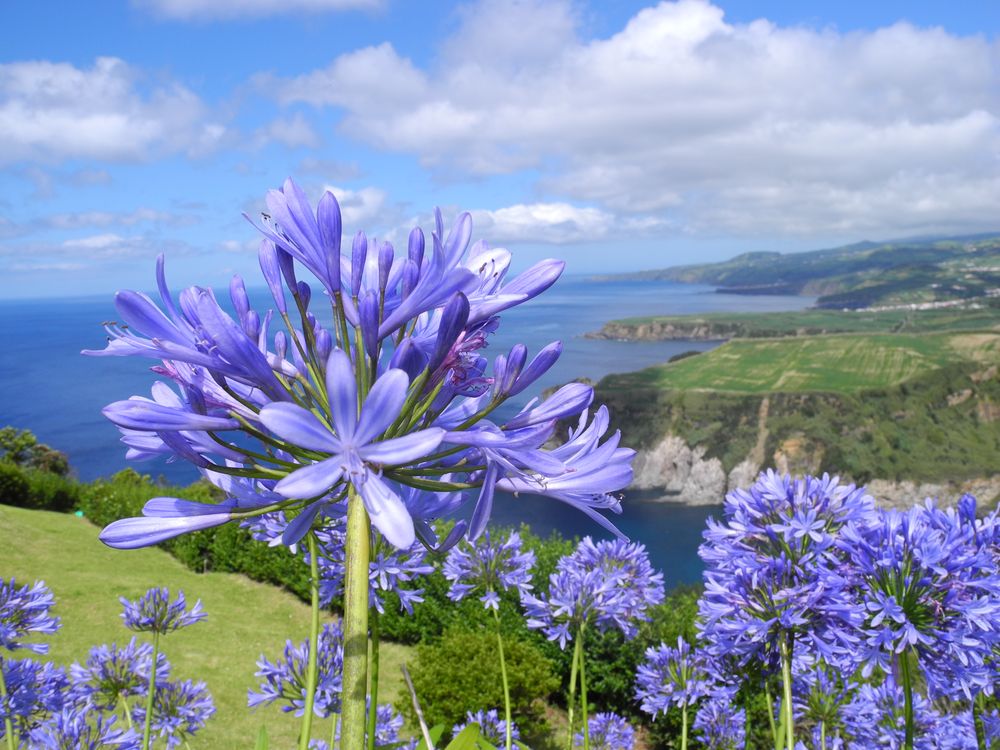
[[583, 693], [312, 678], [684, 726], [786, 704], [151, 693], [822, 735], [904, 670], [373, 682], [8, 724], [775, 740], [355, 682], [572, 692], [509, 740]]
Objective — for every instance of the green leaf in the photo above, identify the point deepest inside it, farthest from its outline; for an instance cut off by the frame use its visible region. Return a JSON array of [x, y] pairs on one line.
[[262, 742], [468, 739], [435, 732]]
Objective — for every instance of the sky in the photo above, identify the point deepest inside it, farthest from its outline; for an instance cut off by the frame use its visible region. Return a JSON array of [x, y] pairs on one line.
[[616, 135]]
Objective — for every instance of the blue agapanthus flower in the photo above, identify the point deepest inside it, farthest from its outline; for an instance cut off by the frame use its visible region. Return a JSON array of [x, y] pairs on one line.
[[76, 729], [180, 709], [492, 727], [672, 677], [927, 586], [774, 572], [25, 610], [34, 690], [608, 731], [154, 612], [607, 584], [112, 674], [284, 681], [382, 394], [720, 724], [488, 566]]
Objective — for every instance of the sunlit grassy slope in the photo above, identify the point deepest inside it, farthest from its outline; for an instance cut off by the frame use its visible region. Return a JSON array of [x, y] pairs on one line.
[[245, 618], [842, 363]]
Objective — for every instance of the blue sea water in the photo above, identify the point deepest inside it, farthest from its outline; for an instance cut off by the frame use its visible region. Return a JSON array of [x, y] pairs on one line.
[[47, 387]]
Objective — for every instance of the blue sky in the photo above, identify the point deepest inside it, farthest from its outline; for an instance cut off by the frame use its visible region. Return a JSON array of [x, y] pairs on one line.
[[617, 135]]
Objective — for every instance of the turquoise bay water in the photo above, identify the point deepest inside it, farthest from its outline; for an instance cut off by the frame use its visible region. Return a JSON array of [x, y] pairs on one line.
[[47, 387]]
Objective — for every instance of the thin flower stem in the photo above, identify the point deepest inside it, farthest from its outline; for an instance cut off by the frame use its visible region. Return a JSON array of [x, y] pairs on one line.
[[124, 706], [822, 735], [8, 723], [305, 734], [583, 693], [684, 726], [572, 691], [355, 680], [776, 741], [373, 689], [151, 693], [977, 722], [506, 685], [904, 670], [786, 704], [746, 727]]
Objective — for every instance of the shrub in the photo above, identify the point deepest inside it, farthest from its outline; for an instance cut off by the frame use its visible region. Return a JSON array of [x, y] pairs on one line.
[[461, 672], [13, 484]]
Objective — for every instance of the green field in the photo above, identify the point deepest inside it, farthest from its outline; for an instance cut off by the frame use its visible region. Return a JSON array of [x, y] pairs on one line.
[[801, 323], [245, 618], [840, 363]]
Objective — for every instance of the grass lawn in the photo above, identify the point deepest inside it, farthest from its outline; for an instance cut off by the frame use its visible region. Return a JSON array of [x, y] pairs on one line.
[[245, 618], [840, 363]]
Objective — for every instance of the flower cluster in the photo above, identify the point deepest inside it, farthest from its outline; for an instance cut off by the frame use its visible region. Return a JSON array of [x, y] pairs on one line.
[[489, 566], [285, 680], [155, 613], [112, 674], [671, 677], [720, 724], [33, 691], [25, 610], [72, 729], [774, 572], [607, 731], [387, 726], [609, 584], [492, 728], [382, 395]]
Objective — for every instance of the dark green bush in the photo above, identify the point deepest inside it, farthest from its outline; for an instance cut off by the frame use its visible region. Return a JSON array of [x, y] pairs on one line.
[[13, 484], [461, 672], [36, 489]]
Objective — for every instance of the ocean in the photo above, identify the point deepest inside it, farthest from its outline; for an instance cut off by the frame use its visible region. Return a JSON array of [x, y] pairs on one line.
[[46, 386]]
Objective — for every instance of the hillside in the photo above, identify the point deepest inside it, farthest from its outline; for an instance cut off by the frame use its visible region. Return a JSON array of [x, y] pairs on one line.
[[724, 326], [858, 276], [907, 410]]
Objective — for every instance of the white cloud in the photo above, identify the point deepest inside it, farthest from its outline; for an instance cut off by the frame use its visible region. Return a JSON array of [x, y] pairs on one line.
[[294, 132], [108, 218], [188, 10], [711, 126], [53, 111], [362, 208], [543, 222]]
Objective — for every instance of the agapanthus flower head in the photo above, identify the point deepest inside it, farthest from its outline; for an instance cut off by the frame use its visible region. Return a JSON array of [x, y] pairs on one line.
[[608, 731], [25, 610], [284, 681], [154, 612], [819, 697], [34, 690], [720, 724], [112, 673], [774, 572], [671, 677], [180, 709], [874, 717], [928, 587], [492, 727], [607, 584], [387, 405], [488, 566], [76, 729]]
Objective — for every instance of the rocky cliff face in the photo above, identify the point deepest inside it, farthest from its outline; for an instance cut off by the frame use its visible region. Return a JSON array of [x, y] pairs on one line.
[[684, 474]]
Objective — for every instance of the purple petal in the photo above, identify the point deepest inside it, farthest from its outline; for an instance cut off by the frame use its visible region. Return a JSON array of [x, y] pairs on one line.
[[173, 507], [312, 480], [382, 406], [330, 228], [297, 425], [343, 394], [387, 511], [140, 313], [141, 414], [484, 505], [538, 367], [133, 533], [268, 257], [569, 400], [405, 449], [301, 524]]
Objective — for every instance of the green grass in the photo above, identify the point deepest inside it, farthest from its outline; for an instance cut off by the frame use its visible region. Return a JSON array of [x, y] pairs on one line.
[[245, 619], [838, 364]]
